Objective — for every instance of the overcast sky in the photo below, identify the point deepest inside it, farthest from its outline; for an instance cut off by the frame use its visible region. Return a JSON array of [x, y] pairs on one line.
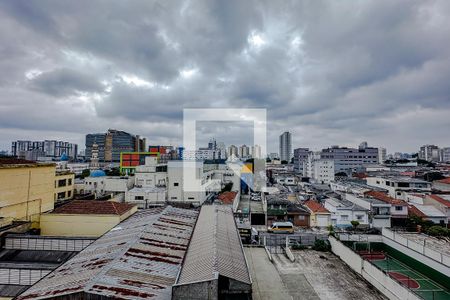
[[334, 72]]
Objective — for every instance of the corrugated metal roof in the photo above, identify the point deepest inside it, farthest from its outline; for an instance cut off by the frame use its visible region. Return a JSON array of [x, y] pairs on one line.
[[138, 259], [215, 248]]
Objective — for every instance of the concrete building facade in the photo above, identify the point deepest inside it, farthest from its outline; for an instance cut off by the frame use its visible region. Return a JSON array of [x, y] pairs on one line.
[[26, 190], [286, 146]]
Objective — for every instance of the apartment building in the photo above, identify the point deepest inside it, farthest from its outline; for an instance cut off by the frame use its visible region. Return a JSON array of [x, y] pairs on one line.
[[399, 186], [112, 143], [26, 189], [350, 159], [34, 150], [286, 146], [64, 185]]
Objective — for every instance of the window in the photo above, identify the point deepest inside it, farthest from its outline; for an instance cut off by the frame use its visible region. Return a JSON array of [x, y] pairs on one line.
[[301, 218], [69, 193], [69, 181], [175, 184], [191, 198], [61, 195], [138, 197], [173, 198], [399, 208], [344, 217], [359, 217], [61, 182]]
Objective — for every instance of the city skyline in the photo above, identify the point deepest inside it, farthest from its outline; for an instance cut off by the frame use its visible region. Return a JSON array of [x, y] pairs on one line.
[[334, 79]]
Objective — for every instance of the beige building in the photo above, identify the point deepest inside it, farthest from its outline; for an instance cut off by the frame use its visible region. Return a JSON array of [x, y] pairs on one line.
[[87, 218], [64, 185], [26, 189]]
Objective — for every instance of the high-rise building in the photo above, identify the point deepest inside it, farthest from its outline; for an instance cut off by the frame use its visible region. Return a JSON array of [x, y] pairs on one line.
[[286, 146], [445, 154], [256, 151], [300, 160], [429, 153], [381, 155], [48, 148], [232, 150], [244, 151], [112, 143]]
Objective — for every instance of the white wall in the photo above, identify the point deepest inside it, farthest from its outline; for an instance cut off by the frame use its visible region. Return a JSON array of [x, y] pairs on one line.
[[386, 285]]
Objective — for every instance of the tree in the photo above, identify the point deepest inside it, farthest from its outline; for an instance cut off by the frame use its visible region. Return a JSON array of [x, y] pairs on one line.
[[432, 176], [85, 173], [437, 230], [354, 224], [268, 160], [341, 174], [321, 245]]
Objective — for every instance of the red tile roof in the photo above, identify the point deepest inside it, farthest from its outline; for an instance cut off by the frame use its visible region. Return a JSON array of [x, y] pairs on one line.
[[93, 207], [315, 207], [227, 197], [414, 211], [385, 198], [445, 180], [440, 200]]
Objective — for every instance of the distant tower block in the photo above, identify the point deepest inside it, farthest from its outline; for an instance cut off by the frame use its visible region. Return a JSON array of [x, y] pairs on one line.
[[94, 157]]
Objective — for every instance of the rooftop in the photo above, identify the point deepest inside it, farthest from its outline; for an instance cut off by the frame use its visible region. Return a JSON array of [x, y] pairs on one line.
[[6, 163], [215, 249], [227, 197], [426, 211], [314, 275], [443, 199], [92, 207], [315, 207], [385, 198], [138, 259], [342, 203], [445, 180]]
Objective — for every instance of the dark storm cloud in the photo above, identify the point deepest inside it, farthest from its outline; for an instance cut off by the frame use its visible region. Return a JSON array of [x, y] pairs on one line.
[[65, 82], [332, 72]]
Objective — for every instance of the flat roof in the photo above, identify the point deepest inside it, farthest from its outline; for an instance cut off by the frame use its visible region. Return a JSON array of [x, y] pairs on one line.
[[137, 259], [313, 275], [93, 207], [10, 163]]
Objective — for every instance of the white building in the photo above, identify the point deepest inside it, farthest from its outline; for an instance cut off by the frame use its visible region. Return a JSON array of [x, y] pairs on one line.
[[380, 212], [150, 184], [190, 190], [381, 155], [101, 185], [398, 186], [203, 154], [344, 211], [256, 151], [318, 169], [232, 151], [429, 152]]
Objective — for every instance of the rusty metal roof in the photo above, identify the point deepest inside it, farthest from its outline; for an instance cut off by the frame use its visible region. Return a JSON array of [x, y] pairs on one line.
[[138, 259], [215, 248]]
